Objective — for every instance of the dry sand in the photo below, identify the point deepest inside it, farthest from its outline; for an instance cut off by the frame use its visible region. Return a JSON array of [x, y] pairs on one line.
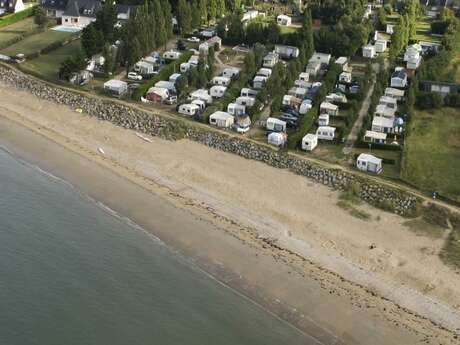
[[323, 242]]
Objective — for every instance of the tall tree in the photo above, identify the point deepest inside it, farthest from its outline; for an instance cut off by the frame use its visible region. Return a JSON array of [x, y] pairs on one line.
[[106, 18], [196, 15], [161, 35], [92, 40], [203, 5], [167, 13], [184, 16]]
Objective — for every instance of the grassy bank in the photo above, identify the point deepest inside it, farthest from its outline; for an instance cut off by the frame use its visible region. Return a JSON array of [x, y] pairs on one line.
[[432, 154], [15, 17], [11, 33]]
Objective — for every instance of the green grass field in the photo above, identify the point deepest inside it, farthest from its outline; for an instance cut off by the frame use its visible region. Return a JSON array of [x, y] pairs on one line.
[[432, 154], [11, 32], [424, 31], [35, 43], [47, 65]]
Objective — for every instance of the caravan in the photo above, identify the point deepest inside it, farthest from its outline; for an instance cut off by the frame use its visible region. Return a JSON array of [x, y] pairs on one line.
[[236, 109], [246, 92], [221, 119], [217, 91], [188, 109], [246, 101], [275, 125], [223, 81]]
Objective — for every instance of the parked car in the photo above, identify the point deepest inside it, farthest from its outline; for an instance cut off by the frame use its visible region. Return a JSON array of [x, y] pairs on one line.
[[193, 39], [289, 110], [134, 76]]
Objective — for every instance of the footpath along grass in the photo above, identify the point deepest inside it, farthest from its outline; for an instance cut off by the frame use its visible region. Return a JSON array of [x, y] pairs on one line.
[[35, 43], [47, 65], [432, 154]]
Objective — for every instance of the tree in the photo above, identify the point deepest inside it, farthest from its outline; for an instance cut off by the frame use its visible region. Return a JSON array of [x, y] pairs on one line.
[[134, 52], [106, 19], [212, 9], [110, 59], [72, 64], [92, 40], [40, 17], [161, 34], [250, 63], [196, 15], [203, 5], [273, 33], [184, 16], [167, 13]]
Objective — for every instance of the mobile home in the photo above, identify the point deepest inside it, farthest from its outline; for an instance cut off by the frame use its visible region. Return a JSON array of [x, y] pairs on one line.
[[369, 163], [201, 94], [277, 139], [369, 51], [166, 85], [157, 94], [231, 72], [188, 109], [271, 59], [275, 125], [323, 120], [309, 142], [291, 100], [116, 87], [284, 20], [259, 82], [375, 137], [246, 92], [326, 133], [246, 101], [221, 119], [264, 72], [223, 81], [329, 108], [217, 91], [236, 109], [287, 52], [171, 55]]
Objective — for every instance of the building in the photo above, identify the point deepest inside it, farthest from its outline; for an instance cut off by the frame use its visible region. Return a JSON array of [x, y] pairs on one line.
[[328, 108], [236, 109], [309, 142], [217, 91], [201, 94], [399, 79], [375, 137], [382, 124], [440, 87], [287, 52], [277, 139], [282, 19], [369, 163], [221, 119], [394, 93], [231, 72], [270, 60], [157, 94], [325, 133], [369, 51], [11, 6], [189, 109], [54, 8], [80, 13], [116, 87]]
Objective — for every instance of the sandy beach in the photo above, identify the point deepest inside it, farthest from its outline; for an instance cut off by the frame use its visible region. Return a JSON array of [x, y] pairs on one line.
[[272, 235]]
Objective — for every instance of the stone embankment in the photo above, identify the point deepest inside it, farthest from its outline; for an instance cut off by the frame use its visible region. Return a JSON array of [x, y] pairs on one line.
[[369, 190]]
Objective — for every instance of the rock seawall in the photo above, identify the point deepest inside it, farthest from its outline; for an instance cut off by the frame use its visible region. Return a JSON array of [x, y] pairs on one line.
[[379, 195]]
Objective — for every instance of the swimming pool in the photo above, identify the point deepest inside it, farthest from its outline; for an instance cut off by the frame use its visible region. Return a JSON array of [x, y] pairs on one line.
[[63, 28]]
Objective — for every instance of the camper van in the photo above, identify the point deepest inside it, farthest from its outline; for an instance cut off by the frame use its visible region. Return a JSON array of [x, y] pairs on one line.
[[188, 109], [325, 133], [246, 101], [217, 91], [171, 55], [275, 125], [246, 92], [236, 109]]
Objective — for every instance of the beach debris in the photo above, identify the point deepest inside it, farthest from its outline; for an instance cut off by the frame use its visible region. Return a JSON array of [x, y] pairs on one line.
[[372, 246], [101, 150], [79, 110], [144, 137]]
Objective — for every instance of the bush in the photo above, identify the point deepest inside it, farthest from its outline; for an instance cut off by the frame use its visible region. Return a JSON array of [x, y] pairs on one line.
[[429, 100], [452, 100]]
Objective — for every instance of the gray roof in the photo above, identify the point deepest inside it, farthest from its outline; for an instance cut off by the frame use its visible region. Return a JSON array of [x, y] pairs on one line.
[[401, 74], [54, 4], [86, 8]]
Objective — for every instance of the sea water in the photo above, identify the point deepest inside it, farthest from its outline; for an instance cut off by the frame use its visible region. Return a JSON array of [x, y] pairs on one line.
[[71, 273]]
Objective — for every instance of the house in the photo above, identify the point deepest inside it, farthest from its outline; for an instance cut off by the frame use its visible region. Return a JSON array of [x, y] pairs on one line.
[[324, 59], [171, 55], [236, 109], [157, 94], [345, 77], [246, 92], [380, 46], [270, 60], [291, 100], [305, 106], [214, 42], [275, 125], [54, 8], [231, 72], [116, 87], [385, 111], [80, 13], [264, 72], [309, 142], [443, 88], [298, 92], [188, 109], [323, 120], [325, 133], [369, 51], [369, 163], [242, 123], [246, 101], [166, 85], [277, 139], [11, 6], [336, 98], [394, 93], [217, 91], [282, 19], [390, 102], [201, 94], [399, 79], [259, 82], [224, 81], [328, 108], [173, 78], [313, 68], [375, 137], [287, 52], [221, 119], [382, 124]]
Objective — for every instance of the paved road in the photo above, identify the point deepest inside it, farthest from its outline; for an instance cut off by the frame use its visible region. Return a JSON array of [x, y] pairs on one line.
[[353, 136]]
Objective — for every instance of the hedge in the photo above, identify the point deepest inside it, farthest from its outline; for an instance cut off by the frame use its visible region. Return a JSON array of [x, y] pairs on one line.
[[16, 17], [163, 75]]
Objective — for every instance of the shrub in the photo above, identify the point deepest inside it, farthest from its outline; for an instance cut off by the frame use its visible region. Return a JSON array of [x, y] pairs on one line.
[[452, 100], [429, 100]]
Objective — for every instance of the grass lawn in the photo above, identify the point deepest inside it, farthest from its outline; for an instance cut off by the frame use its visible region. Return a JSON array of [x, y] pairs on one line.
[[47, 65], [424, 31], [453, 70], [288, 29], [432, 154], [10, 32], [389, 170], [35, 43]]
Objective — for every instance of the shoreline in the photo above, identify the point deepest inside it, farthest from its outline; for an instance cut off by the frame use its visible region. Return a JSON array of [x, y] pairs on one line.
[[190, 246]]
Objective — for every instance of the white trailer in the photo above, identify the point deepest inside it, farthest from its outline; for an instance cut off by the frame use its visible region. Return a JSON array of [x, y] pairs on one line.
[[246, 92], [309, 142], [325, 133], [223, 81], [221, 119], [246, 101], [277, 139], [275, 125], [188, 109], [217, 91], [236, 109]]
